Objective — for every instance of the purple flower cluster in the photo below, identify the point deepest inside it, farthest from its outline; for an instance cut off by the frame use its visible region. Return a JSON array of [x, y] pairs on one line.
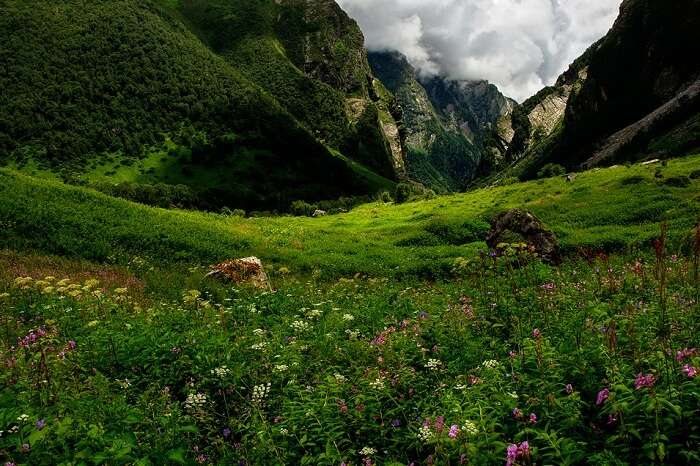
[[644, 381], [517, 451], [690, 371], [31, 338], [70, 346], [602, 396], [686, 353], [454, 431]]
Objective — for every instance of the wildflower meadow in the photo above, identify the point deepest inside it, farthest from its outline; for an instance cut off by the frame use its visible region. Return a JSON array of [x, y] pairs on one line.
[[513, 362]]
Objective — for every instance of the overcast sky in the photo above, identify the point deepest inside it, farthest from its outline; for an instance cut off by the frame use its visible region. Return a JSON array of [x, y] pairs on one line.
[[520, 45]]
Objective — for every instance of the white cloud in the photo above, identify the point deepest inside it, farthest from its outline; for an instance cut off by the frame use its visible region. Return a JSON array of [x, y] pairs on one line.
[[520, 45]]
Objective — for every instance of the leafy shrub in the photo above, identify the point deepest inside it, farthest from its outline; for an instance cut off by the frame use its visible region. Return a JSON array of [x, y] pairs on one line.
[[402, 193], [303, 208], [681, 181], [632, 180], [551, 170]]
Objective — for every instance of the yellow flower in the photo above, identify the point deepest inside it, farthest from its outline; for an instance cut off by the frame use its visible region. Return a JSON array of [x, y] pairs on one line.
[[4, 295], [91, 283], [74, 286], [50, 278], [62, 289], [63, 282], [48, 290], [74, 293], [120, 291], [93, 323], [20, 281]]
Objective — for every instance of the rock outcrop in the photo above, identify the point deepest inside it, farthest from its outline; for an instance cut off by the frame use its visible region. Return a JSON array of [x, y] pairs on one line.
[[246, 271], [631, 96], [528, 227]]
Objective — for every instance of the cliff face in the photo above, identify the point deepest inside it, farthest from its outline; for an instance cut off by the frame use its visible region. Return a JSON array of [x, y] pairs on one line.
[[633, 94], [440, 150], [472, 105], [648, 59]]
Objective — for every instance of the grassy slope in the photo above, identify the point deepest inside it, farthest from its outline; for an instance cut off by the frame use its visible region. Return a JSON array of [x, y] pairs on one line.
[[610, 208]]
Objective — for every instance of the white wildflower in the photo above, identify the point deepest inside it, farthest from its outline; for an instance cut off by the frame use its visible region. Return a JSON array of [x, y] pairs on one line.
[[433, 364], [470, 428], [348, 317], [368, 451], [425, 434], [491, 364], [195, 401], [377, 384], [300, 326], [260, 393], [221, 372]]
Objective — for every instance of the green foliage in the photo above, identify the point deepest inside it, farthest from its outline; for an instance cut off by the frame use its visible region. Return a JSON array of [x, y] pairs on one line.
[[116, 77], [551, 170], [681, 181]]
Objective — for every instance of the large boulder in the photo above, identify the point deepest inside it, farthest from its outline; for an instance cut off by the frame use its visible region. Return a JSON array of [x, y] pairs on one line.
[[248, 270], [525, 225]]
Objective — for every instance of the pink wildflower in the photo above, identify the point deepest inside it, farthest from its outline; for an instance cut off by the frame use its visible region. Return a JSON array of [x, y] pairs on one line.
[[454, 431], [533, 418], [644, 381], [536, 333], [602, 396], [690, 371], [685, 353]]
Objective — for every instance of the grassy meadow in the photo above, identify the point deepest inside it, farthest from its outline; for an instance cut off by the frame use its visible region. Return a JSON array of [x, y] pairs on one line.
[[392, 336]]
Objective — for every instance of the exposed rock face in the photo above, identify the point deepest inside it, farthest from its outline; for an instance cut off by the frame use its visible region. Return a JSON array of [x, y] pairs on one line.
[[248, 271], [647, 60], [442, 151], [477, 104], [529, 227], [632, 95], [687, 101]]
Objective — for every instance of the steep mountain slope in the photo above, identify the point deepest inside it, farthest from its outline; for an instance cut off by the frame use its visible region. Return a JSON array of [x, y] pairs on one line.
[[480, 110], [540, 118], [441, 152], [633, 94], [85, 82], [310, 56]]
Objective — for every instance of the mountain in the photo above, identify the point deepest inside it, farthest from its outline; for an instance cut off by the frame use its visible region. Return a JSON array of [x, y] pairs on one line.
[[454, 129], [634, 94], [310, 56], [239, 100], [480, 110]]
